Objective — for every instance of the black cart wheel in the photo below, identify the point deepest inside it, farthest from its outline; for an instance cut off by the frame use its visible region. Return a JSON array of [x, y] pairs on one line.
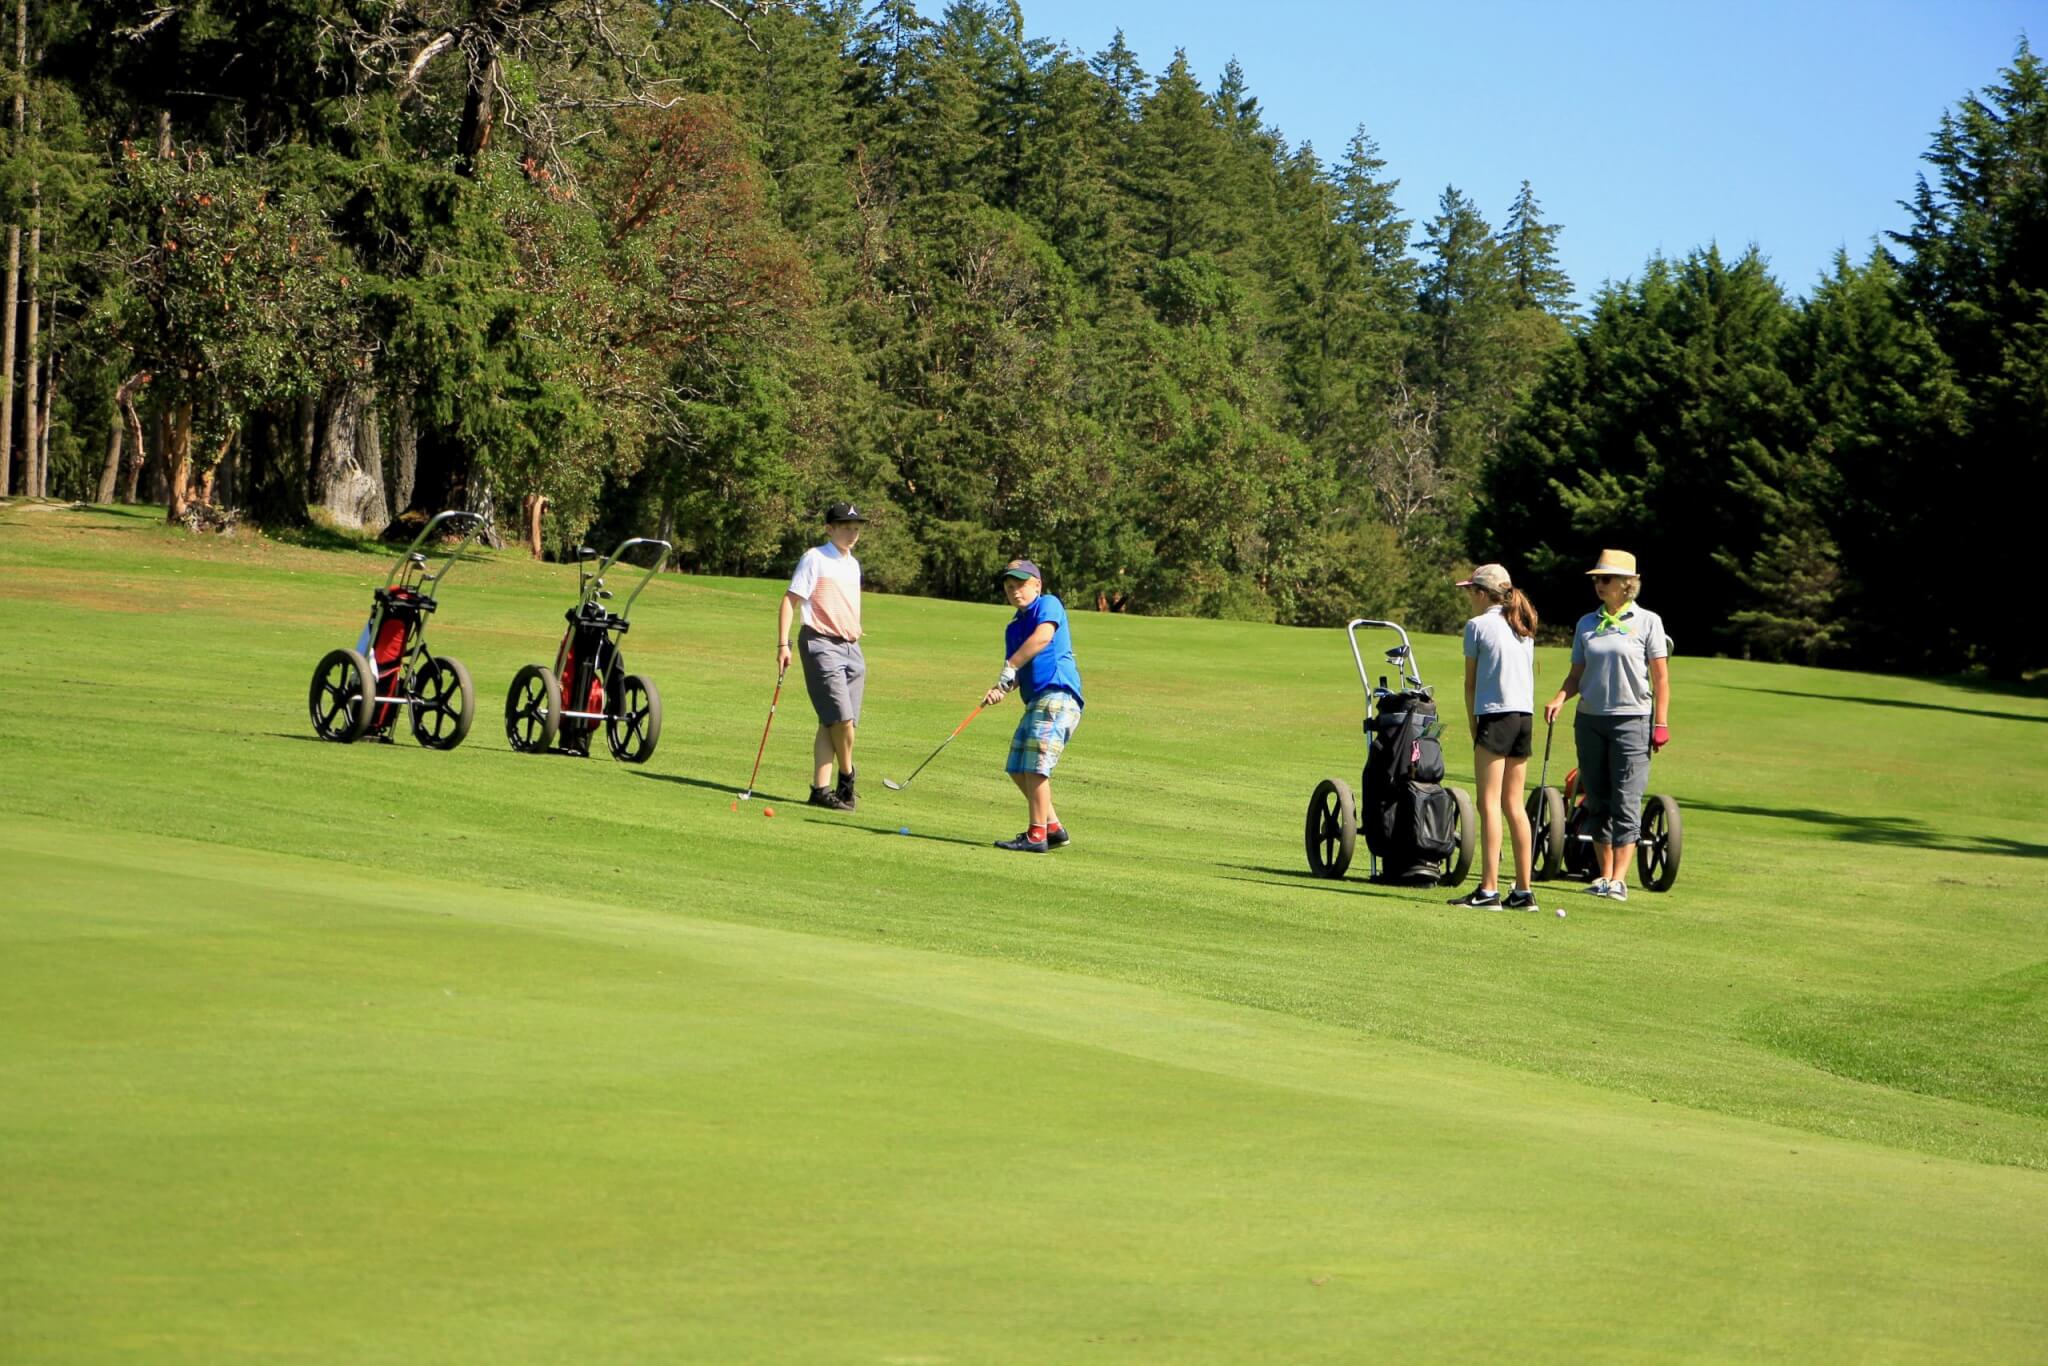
[[1579, 859], [632, 722], [1658, 846], [533, 709], [1331, 831], [1546, 832], [1468, 839], [443, 703], [343, 696]]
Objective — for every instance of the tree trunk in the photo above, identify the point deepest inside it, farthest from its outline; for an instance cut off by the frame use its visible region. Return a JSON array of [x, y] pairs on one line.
[[50, 371], [30, 406], [12, 316], [479, 117], [178, 463], [348, 470], [110, 473], [138, 449], [13, 304], [402, 452], [536, 509]]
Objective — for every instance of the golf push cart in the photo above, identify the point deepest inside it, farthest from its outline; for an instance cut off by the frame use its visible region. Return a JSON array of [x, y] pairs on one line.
[[1561, 839], [589, 684], [1417, 831], [358, 692]]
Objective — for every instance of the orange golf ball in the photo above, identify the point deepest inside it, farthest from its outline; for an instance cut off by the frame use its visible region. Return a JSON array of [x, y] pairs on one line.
[[767, 810]]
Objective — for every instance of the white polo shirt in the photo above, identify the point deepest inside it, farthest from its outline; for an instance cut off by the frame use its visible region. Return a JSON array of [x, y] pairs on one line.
[[828, 581]]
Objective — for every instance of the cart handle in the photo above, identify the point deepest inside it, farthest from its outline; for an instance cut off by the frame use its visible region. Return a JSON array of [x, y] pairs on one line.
[[477, 521], [593, 579], [1411, 674]]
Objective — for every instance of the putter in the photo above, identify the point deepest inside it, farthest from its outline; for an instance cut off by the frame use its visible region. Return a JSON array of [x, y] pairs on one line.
[[895, 786], [772, 702]]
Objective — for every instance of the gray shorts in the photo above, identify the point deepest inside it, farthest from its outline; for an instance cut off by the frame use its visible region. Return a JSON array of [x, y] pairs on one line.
[[835, 675], [1614, 772]]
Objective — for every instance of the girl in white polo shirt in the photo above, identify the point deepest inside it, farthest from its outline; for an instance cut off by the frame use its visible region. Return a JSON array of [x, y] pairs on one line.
[[1500, 699]]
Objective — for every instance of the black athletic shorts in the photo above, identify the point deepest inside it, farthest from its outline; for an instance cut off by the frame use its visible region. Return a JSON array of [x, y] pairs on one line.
[[1507, 732]]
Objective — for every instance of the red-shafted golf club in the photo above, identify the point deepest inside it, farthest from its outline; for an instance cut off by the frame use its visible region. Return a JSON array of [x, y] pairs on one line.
[[773, 702], [895, 786]]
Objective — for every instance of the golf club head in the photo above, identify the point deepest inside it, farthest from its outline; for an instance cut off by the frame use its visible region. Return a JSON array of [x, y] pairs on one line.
[[892, 784]]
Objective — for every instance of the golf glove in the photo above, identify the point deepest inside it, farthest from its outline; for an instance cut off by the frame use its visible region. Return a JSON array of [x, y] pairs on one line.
[[1007, 679]]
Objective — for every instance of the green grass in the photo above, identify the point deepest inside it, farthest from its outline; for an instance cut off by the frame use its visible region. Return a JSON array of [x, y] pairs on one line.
[[314, 1052]]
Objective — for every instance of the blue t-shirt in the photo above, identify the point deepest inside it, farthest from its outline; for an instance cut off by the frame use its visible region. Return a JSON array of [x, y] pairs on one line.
[[1053, 667]]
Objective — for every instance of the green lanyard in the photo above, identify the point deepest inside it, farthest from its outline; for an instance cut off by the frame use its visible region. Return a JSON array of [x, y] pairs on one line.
[[1613, 619]]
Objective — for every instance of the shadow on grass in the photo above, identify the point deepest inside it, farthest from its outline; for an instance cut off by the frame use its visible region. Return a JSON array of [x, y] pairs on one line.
[[726, 788], [898, 833], [316, 537], [1902, 831], [1898, 702], [1297, 877]]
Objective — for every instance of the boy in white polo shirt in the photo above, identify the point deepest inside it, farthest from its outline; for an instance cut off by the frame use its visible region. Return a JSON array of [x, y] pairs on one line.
[[825, 590]]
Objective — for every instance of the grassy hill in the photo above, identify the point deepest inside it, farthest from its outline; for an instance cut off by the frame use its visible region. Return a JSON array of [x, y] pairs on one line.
[[370, 1052]]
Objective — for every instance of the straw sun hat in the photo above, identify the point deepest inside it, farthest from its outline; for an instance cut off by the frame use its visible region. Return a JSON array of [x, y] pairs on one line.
[[1615, 562]]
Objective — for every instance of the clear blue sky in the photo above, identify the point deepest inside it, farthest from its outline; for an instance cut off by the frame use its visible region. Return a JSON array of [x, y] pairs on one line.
[[1643, 126]]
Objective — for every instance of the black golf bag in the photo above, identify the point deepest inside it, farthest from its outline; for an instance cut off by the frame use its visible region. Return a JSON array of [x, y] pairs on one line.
[[1410, 820], [587, 665]]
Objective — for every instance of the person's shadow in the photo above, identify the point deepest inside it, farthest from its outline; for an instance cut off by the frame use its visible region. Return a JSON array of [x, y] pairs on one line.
[[758, 794]]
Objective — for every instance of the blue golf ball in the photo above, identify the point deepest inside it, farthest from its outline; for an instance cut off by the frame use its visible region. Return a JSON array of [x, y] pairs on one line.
[[903, 830]]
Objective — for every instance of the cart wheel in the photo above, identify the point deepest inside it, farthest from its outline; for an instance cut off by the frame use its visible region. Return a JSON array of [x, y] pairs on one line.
[[443, 703], [1546, 832], [1468, 839], [1578, 845], [343, 696], [633, 723], [1658, 846], [1331, 831], [533, 709]]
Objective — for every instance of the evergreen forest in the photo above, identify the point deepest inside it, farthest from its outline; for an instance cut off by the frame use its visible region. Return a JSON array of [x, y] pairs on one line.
[[695, 268]]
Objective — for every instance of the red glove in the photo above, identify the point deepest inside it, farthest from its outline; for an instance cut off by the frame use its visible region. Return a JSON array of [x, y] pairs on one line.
[[1660, 736]]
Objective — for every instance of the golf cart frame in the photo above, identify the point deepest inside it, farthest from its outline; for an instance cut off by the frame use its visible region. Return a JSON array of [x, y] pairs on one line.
[[586, 689], [1330, 833], [359, 692]]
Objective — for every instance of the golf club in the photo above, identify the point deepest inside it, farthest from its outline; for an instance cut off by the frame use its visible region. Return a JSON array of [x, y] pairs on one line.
[[895, 786], [772, 702], [1543, 779]]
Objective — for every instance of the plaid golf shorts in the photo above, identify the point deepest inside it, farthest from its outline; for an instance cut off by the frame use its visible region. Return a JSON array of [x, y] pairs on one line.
[[1042, 734]]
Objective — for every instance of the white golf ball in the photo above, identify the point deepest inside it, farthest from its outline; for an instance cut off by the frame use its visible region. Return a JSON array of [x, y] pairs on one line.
[[1560, 912]]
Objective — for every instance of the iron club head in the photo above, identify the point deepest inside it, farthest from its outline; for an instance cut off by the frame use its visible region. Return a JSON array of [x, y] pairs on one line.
[[892, 784]]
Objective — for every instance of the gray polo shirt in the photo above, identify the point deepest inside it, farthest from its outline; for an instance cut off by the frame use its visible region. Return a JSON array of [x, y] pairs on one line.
[[1617, 660], [1506, 681]]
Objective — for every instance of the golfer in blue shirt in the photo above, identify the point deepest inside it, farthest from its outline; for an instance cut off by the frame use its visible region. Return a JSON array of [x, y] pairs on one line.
[[1039, 660]]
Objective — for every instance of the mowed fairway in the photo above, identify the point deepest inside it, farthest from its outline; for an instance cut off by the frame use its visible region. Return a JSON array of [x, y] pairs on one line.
[[355, 1053]]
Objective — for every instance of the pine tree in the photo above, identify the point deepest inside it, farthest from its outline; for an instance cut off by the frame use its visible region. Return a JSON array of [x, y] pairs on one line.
[[1535, 278]]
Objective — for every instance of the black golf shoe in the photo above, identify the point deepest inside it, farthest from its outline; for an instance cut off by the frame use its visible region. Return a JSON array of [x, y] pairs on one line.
[[1024, 844], [1485, 901], [1521, 901], [827, 798], [845, 791], [1057, 839]]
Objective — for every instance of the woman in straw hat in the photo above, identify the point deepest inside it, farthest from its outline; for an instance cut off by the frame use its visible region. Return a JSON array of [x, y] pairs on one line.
[[1622, 677]]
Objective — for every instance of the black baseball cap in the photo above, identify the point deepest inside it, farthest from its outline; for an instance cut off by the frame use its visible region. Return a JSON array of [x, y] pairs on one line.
[[1020, 569], [844, 512]]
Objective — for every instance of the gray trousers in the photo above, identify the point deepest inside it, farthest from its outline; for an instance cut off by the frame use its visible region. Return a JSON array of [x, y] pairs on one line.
[[835, 675], [1614, 772]]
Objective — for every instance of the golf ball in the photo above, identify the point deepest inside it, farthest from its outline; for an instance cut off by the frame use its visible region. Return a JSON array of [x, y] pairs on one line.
[[1560, 912], [903, 830], [767, 810]]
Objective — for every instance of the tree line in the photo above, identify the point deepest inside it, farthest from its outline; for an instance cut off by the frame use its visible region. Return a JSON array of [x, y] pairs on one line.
[[604, 267]]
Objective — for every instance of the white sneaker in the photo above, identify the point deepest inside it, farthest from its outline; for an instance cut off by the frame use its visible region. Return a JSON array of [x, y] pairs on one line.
[[1599, 887], [1617, 890]]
